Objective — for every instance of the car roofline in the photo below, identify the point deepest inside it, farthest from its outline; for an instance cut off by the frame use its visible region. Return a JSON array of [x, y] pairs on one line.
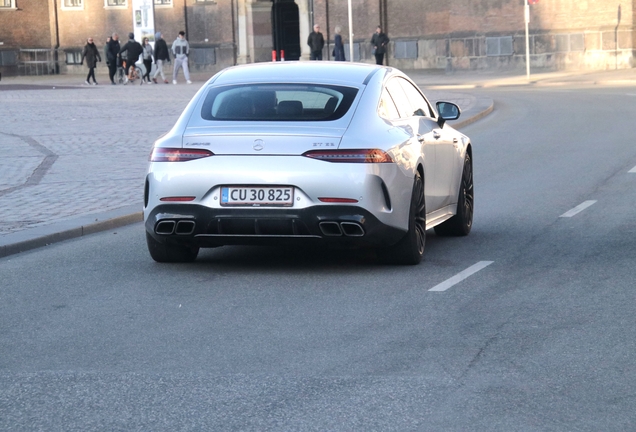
[[223, 74]]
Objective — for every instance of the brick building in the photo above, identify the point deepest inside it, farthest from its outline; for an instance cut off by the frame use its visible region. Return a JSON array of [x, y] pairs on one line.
[[45, 36]]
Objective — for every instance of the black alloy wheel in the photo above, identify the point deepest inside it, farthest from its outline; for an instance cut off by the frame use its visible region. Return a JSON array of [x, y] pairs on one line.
[[462, 222], [410, 249]]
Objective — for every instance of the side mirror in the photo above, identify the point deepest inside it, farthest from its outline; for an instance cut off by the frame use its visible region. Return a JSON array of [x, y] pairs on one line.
[[447, 111]]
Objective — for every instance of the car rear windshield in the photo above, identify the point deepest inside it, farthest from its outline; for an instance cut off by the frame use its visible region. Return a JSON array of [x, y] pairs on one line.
[[278, 102]]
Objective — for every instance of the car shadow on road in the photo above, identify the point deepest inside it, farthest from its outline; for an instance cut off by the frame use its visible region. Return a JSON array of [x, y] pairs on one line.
[[299, 258]]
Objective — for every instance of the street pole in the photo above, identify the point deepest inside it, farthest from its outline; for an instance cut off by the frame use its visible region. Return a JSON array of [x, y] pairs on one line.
[[526, 15], [350, 32]]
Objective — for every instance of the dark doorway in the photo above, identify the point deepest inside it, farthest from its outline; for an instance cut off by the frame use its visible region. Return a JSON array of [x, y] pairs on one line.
[[286, 29]]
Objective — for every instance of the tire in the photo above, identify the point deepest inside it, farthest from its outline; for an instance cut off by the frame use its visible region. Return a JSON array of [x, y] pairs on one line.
[[462, 222], [410, 249], [139, 75], [166, 253]]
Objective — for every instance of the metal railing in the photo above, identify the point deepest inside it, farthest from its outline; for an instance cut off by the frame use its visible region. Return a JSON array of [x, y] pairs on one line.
[[8, 57], [38, 62]]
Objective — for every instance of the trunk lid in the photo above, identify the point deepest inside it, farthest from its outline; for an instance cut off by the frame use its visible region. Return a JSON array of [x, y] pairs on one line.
[[288, 139]]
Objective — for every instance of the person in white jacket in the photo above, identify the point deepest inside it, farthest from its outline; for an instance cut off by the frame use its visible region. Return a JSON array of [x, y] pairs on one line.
[[180, 51]]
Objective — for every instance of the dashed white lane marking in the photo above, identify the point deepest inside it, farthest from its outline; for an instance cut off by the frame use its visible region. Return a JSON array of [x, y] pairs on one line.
[[461, 276], [578, 209], [633, 170]]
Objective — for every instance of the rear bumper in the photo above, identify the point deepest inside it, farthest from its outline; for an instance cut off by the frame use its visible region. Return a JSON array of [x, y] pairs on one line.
[[203, 226]]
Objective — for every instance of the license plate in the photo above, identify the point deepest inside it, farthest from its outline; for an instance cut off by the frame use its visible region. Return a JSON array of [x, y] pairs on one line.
[[257, 196]]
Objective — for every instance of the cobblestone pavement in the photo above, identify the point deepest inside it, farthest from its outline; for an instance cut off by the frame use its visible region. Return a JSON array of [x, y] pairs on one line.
[[78, 150], [72, 150]]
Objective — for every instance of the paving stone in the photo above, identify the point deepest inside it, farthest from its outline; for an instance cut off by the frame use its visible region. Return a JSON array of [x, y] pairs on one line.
[[99, 139]]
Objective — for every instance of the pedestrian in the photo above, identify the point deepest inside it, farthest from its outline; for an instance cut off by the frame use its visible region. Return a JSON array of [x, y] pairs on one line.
[[338, 48], [379, 41], [180, 52], [147, 58], [106, 49], [133, 50], [316, 42], [112, 51], [161, 55], [91, 54]]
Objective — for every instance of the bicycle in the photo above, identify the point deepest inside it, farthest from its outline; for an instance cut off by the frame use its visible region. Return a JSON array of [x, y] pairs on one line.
[[120, 75], [135, 73]]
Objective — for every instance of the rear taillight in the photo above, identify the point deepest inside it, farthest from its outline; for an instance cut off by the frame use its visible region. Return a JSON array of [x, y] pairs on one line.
[[338, 200], [160, 154], [350, 156], [178, 198]]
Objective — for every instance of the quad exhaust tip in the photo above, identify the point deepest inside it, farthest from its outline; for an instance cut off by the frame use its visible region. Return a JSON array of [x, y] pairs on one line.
[[185, 227], [338, 229], [352, 229], [165, 227], [330, 229], [169, 227]]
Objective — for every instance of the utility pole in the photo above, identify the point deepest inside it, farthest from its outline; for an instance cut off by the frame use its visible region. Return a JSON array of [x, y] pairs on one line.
[[350, 32], [526, 16]]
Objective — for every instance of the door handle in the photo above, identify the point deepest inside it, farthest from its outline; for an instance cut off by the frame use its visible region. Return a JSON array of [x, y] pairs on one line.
[[455, 142], [436, 134], [421, 138]]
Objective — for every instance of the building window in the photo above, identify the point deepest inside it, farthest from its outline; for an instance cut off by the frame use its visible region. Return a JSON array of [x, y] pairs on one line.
[[356, 52], [7, 4], [73, 57], [8, 58], [499, 46], [570, 42], [163, 2], [213, 2], [120, 3], [203, 56], [405, 49], [73, 4]]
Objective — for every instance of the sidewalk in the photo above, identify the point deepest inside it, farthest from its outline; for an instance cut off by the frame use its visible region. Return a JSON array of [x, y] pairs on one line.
[[75, 156]]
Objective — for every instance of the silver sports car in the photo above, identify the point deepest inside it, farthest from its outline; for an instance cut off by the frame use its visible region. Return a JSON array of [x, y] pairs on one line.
[[341, 154]]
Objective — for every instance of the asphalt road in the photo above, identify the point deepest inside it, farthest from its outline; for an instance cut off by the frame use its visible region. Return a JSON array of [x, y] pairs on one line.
[[96, 336]]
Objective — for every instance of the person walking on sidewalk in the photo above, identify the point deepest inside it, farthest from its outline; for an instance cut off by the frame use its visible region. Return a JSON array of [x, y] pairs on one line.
[[147, 58], [112, 49], [180, 52], [161, 55], [338, 48], [133, 50], [379, 41], [106, 49], [91, 54], [316, 42]]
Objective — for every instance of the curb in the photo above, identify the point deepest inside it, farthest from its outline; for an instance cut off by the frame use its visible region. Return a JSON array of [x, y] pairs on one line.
[[40, 240], [485, 107]]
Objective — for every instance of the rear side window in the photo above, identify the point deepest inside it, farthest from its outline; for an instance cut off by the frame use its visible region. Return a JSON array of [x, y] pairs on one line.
[[419, 106], [401, 101], [386, 107], [409, 100], [278, 102]]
